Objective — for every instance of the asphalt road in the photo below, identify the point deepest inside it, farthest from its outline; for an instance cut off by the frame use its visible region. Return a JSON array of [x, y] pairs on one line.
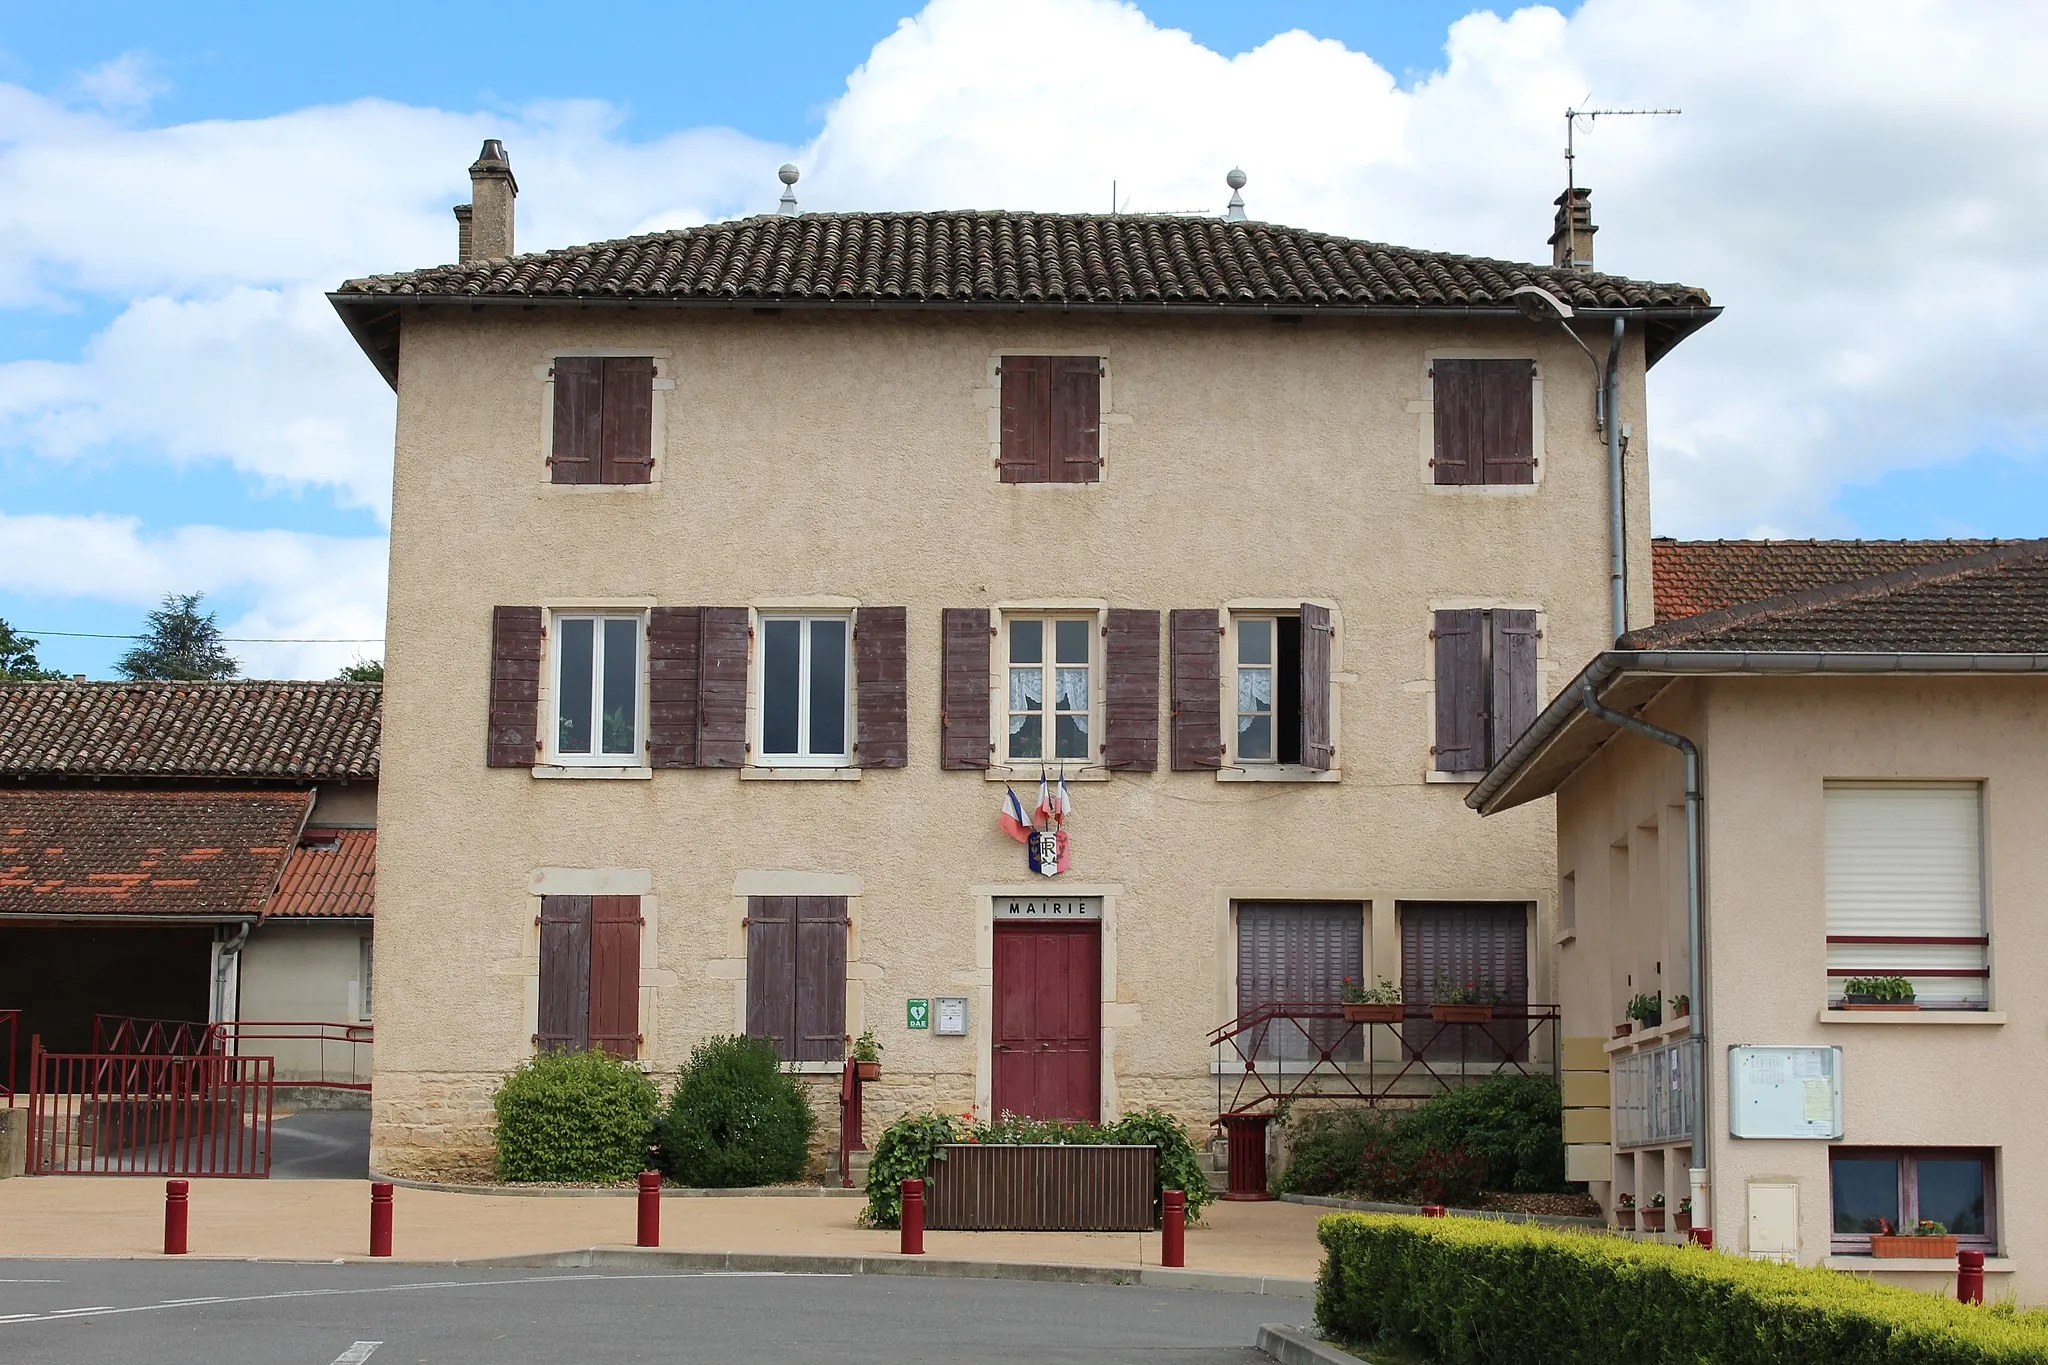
[[237, 1313], [321, 1144]]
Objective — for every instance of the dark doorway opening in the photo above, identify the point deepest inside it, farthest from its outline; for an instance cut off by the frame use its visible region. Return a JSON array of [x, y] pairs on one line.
[[60, 976]]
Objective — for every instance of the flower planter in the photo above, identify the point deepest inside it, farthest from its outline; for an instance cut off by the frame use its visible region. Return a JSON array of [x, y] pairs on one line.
[[1681, 1222], [1932, 1248], [1461, 1014], [1622, 1030], [1041, 1187], [1358, 1012], [1680, 1011], [1871, 1002], [868, 1071], [1625, 1219], [1653, 1219]]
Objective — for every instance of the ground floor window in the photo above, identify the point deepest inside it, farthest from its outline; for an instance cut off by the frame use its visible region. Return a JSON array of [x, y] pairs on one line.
[[1475, 951], [369, 962], [589, 974], [796, 975], [1887, 1189], [1298, 953]]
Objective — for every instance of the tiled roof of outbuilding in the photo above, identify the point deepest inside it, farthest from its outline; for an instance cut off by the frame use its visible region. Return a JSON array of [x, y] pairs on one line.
[[278, 730], [332, 875], [92, 851], [1692, 576], [1992, 602]]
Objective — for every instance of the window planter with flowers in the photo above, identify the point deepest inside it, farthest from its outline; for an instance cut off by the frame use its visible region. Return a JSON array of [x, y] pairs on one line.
[[1652, 1214], [1380, 1005], [1681, 1006], [1927, 1238], [867, 1056], [1625, 1212], [1878, 993], [1681, 1217], [1453, 1002]]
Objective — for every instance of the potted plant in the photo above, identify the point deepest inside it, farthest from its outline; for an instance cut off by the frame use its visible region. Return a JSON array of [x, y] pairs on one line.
[[1380, 1005], [1622, 1029], [1681, 1217], [867, 1057], [1625, 1211], [1681, 1006], [1647, 1011], [1926, 1238], [1452, 1003], [1653, 1213], [1878, 993]]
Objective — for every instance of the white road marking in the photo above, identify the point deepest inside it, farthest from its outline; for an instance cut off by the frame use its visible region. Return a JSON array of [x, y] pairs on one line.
[[358, 1353], [72, 1312], [174, 1303], [63, 1314], [31, 1281]]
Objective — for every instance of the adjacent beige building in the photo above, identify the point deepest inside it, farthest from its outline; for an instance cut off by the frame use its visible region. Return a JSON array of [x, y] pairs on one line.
[[1870, 756], [739, 574]]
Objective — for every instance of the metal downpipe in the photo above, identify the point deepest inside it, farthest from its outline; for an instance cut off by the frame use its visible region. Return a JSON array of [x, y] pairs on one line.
[[1702, 1147], [1617, 557]]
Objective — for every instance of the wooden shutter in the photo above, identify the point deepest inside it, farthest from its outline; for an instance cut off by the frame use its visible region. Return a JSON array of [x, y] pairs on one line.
[[1025, 452], [1906, 863], [564, 973], [1131, 691], [771, 971], [1298, 954], [514, 737], [1196, 720], [1317, 637], [628, 443], [881, 667], [820, 979], [1506, 450], [722, 688], [674, 635], [579, 419], [963, 664], [1513, 703], [1460, 691], [615, 974], [1075, 418]]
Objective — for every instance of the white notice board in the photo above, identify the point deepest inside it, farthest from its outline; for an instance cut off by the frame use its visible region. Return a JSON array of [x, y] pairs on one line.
[[1785, 1092]]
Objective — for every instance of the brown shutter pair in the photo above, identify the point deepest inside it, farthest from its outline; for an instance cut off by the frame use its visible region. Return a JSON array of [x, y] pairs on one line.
[[796, 975], [590, 974], [1197, 717], [1484, 422], [604, 419], [1485, 685], [1051, 419]]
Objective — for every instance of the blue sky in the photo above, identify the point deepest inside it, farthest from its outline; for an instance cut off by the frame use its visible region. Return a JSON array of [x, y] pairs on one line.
[[1795, 414]]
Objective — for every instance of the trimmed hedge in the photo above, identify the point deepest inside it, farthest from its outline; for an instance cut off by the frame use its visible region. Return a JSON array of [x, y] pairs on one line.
[[574, 1116], [1468, 1291]]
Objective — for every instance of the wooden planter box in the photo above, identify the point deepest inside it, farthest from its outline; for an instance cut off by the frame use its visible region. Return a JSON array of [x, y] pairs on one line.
[[1048, 1187], [1359, 1012], [1461, 1014], [1934, 1248], [1653, 1219]]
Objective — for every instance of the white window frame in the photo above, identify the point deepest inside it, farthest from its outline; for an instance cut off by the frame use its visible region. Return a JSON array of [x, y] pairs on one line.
[[1232, 715], [1000, 658], [552, 719], [1898, 959], [1235, 767], [366, 960], [761, 755]]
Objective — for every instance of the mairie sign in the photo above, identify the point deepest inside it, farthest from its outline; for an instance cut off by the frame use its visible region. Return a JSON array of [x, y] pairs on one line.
[[1048, 907]]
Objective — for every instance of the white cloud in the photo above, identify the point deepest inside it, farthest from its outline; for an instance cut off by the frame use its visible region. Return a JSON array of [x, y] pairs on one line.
[[123, 85], [298, 586]]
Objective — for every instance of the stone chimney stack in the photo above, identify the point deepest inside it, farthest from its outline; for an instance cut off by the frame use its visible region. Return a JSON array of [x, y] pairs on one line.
[[1571, 237], [484, 224]]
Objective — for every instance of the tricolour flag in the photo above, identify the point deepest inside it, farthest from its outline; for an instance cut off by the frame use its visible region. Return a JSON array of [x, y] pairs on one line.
[[1012, 819]]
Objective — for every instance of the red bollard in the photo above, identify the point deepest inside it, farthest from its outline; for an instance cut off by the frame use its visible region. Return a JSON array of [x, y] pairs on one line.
[[380, 1218], [913, 1218], [1435, 1211], [177, 1197], [650, 1209], [1701, 1237], [1969, 1276], [1173, 1229]]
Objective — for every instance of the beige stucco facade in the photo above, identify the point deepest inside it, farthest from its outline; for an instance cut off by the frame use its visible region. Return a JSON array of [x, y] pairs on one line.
[[837, 460], [310, 972], [1925, 1079]]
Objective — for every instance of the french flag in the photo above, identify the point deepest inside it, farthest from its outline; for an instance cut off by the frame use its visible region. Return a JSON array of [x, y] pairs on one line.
[[1012, 819]]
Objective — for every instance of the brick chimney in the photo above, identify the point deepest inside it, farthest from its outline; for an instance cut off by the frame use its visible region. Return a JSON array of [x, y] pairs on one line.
[[1571, 238], [484, 224]]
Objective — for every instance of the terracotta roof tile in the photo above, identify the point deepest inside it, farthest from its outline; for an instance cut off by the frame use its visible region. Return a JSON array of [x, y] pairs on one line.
[[73, 850], [290, 730], [332, 874], [1692, 576]]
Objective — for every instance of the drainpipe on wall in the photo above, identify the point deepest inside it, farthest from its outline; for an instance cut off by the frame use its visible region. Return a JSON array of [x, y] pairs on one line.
[[1617, 555], [1702, 1148], [230, 949]]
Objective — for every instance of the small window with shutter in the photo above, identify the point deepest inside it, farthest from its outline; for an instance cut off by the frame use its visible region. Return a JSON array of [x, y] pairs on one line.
[[1279, 689], [1051, 419], [1486, 685], [1484, 415], [1048, 692], [796, 975], [596, 690], [590, 974], [603, 428]]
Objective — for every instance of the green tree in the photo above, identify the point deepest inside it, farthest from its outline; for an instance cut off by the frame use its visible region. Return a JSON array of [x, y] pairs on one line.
[[18, 659], [181, 645], [361, 670]]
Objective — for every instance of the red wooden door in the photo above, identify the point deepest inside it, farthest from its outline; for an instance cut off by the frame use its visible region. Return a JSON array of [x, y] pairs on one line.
[[1048, 1021]]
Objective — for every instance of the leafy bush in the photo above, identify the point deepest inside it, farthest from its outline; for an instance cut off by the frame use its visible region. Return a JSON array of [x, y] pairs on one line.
[[1506, 1133], [1513, 1124], [735, 1118], [1332, 1148], [906, 1147], [1468, 1291], [574, 1116]]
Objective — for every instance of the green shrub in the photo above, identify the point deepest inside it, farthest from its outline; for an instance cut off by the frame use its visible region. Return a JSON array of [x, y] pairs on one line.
[[1469, 1291], [1513, 1124], [1506, 1133], [1329, 1150], [574, 1116], [902, 1153], [736, 1118]]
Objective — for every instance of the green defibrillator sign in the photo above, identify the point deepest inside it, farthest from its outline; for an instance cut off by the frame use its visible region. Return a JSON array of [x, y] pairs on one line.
[[917, 1014]]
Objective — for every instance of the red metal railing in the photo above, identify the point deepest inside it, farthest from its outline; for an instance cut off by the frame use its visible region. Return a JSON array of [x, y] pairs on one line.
[[333, 1044], [10, 1020], [850, 1139], [117, 1033], [1281, 1051], [131, 1114]]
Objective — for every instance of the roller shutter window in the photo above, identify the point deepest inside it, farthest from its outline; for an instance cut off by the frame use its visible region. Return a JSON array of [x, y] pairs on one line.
[[1298, 953], [1480, 944], [1905, 895], [1484, 421], [603, 420]]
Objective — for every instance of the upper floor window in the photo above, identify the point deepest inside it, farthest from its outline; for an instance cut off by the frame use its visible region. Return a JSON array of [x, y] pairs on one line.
[[1485, 421], [1051, 419], [1268, 691], [1904, 865], [805, 697], [597, 689], [604, 419], [1485, 685], [1049, 697]]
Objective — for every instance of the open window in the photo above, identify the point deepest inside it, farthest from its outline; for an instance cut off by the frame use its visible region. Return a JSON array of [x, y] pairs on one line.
[[1279, 689]]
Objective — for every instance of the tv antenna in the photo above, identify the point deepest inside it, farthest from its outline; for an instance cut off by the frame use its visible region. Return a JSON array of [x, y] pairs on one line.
[[1571, 185]]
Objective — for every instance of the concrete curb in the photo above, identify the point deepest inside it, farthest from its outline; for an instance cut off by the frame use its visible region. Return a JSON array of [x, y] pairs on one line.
[[1555, 1220], [936, 1267], [628, 1191], [1292, 1346]]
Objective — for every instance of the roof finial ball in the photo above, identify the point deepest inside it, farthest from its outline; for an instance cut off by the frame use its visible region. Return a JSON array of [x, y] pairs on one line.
[[1236, 180], [788, 176]]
